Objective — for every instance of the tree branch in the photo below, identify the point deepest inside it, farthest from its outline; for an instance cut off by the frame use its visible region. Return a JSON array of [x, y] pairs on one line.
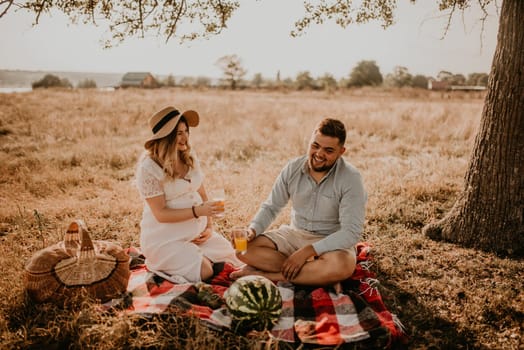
[[448, 24], [173, 26], [3, 2], [39, 8]]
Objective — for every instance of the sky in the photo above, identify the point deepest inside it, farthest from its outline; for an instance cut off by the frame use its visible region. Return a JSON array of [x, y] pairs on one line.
[[259, 33]]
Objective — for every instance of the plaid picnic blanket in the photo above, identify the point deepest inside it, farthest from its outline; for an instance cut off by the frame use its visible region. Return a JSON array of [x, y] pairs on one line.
[[312, 315]]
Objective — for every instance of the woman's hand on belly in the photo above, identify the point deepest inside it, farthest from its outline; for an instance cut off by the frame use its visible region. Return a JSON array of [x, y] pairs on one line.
[[204, 236]]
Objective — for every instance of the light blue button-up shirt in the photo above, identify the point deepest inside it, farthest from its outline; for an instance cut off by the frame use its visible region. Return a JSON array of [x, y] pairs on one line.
[[334, 208]]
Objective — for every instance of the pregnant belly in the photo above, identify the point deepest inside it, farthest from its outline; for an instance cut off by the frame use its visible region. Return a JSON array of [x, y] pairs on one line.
[[154, 232]]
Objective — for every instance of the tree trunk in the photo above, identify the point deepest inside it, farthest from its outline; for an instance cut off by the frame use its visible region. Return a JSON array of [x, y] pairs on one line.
[[489, 213]]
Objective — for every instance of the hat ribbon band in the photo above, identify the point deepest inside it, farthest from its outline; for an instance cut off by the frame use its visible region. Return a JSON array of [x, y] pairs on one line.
[[164, 120]]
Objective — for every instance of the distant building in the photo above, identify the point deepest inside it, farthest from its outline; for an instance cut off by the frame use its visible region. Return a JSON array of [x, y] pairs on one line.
[[139, 80], [438, 85], [467, 88], [446, 86]]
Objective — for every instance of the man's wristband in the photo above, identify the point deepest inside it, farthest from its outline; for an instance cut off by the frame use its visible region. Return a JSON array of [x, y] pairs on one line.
[[194, 212]]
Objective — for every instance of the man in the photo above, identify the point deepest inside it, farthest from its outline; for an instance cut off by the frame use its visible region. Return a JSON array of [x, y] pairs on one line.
[[327, 217]]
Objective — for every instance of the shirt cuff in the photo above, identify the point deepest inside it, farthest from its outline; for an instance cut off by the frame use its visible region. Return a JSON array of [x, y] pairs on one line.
[[257, 228], [320, 247]]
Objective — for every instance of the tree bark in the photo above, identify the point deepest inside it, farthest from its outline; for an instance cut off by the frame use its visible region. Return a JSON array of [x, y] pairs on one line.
[[489, 213]]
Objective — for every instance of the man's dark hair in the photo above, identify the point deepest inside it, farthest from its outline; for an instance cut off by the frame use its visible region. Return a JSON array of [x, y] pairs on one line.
[[333, 128]]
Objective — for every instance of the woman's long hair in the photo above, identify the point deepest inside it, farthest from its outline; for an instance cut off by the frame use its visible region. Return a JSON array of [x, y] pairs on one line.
[[164, 151]]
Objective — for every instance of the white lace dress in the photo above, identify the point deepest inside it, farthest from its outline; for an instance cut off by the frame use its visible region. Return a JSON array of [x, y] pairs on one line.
[[167, 247]]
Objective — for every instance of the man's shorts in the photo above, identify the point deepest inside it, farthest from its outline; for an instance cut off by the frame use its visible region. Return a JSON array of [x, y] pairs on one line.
[[289, 239]]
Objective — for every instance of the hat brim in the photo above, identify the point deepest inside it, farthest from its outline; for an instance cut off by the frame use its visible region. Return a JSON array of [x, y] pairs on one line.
[[191, 117]]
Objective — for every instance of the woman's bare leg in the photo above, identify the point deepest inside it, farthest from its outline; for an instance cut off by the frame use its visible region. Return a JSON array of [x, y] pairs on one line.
[[206, 269]]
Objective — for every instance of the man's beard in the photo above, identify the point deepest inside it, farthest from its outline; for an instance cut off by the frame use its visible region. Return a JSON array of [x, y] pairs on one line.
[[322, 169]]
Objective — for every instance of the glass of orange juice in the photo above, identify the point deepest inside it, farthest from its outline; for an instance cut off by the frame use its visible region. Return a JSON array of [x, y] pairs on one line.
[[240, 239], [219, 195]]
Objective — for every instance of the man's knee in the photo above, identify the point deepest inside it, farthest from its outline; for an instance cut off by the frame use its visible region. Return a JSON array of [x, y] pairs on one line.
[[342, 263], [263, 242], [241, 256]]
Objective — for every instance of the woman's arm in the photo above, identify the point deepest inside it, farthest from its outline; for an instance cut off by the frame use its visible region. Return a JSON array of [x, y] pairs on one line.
[[164, 214], [202, 191], [208, 231]]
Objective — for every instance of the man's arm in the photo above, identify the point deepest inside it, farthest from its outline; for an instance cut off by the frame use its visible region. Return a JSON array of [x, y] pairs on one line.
[[274, 203]]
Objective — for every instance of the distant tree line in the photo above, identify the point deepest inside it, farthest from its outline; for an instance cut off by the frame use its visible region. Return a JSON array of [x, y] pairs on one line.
[[50, 80], [365, 73], [53, 81]]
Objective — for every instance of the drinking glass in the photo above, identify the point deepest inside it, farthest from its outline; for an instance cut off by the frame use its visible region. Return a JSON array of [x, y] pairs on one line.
[[219, 195], [240, 239]]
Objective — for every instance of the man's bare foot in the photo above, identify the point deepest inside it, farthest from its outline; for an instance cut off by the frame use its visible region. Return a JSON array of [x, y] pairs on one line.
[[252, 271], [244, 271], [338, 288]]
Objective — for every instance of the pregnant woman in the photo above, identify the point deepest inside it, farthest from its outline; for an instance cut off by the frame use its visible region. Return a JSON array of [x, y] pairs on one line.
[[177, 236]]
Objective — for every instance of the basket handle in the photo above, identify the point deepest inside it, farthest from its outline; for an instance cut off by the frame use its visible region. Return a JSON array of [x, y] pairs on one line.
[[78, 235], [72, 236]]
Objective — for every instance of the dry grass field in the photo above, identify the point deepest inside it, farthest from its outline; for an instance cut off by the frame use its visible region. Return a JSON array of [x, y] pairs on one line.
[[71, 154]]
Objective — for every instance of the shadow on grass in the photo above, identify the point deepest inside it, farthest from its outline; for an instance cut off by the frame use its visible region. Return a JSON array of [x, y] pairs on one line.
[[424, 329]]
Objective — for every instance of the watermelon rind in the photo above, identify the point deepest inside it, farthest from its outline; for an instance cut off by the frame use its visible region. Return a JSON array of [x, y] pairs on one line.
[[254, 303]]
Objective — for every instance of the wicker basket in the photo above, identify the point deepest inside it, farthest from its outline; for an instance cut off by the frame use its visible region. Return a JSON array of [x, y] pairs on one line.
[[76, 264]]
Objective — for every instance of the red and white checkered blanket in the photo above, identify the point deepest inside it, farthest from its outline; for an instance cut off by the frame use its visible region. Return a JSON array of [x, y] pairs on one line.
[[310, 315]]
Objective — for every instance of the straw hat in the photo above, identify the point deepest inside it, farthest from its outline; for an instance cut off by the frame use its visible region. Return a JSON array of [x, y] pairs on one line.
[[163, 122]]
